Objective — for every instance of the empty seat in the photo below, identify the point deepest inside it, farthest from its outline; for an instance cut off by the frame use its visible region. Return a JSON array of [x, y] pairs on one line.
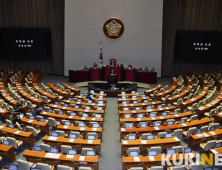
[[33, 130], [204, 128], [52, 122], [193, 117], [60, 133], [84, 150], [208, 145], [161, 134], [190, 131], [91, 135], [85, 168], [178, 149], [63, 167], [44, 166], [25, 164], [131, 137], [178, 133], [158, 149], [45, 147], [133, 149], [65, 148]]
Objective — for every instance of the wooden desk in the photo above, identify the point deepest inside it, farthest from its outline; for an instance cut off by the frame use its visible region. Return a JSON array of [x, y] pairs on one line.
[[5, 113], [155, 130], [44, 126], [145, 144], [76, 161], [26, 137], [143, 105], [150, 91], [78, 143], [217, 117], [37, 78], [190, 102], [165, 93], [197, 139], [35, 100], [7, 151], [72, 89], [187, 80], [83, 103], [128, 94], [181, 95], [93, 98], [44, 93], [209, 106], [59, 117], [76, 110], [66, 95], [133, 99]]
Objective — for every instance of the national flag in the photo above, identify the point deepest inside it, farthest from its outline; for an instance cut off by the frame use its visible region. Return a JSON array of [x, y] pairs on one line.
[[100, 54]]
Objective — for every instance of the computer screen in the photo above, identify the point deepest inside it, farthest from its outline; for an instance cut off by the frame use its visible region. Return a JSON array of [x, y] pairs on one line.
[[170, 123], [81, 124], [89, 101], [67, 123], [145, 101], [183, 121], [150, 137], [149, 107], [6, 142], [37, 148], [54, 150], [87, 108], [72, 152], [152, 114], [157, 124], [212, 128], [99, 108], [0, 122], [133, 154], [56, 103], [143, 95], [169, 135], [128, 125], [69, 98], [85, 115], [123, 97], [124, 102], [21, 115], [133, 91], [137, 108], [79, 100], [152, 153], [131, 137], [123, 92], [50, 110], [164, 114], [160, 106], [61, 112], [81, 94], [101, 92], [140, 115], [91, 96], [175, 112], [11, 126], [100, 97], [143, 125], [169, 104], [41, 108], [185, 110], [23, 102], [91, 137], [100, 102], [90, 153], [35, 169], [135, 102], [42, 120], [96, 125], [31, 117], [208, 168], [72, 113], [55, 134], [72, 136], [218, 145], [198, 131], [98, 116], [25, 129], [187, 150], [127, 116], [133, 97], [171, 151], [91, 91], [125, 108], [76, 106], [13, 167], [66, 105]]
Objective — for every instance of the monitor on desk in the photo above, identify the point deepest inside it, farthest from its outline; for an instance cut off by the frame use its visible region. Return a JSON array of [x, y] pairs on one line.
[[152, 114], [128, 125], [183, 121], [133, 97], [170, 123], [135, 102], [6, 142], [185, 110], [160, 106], [55, 134], [72, 113], [187, 150], [81, 94], [67, 123], [208, 168], [125, 108], [69, 98], [50, 110], [157, 124], [140, 115], [54, 150], [81, 124], [131, 137], [88, 108], [11, 126], [61, 112], [77, 106], [143, 95], [123, 93], [143, 125], [123, 97], [90, 153], [218, 145], [89, 101], [127, 116], [175, 112], [21, 115], [72, 152], [23, 102], [149, 107], [91, 96], [37, 148], [79, 100], [42, 120], [124, 102], [100, 97], [99, 108], [13, 167], [145, 101], [31, 117], [212, 128], [72, 136], [91, 137], [164, 114], [98, 115], [91, 91], [171, 151], [85, 114], [152, 153], [25, 129], [169, 135], [96, 125], [169, 104], [137, 108], [198, 131], [133, 92], [101, 92], [134, 153], [35, 169], [66, 105], [56, 103], [0, 122], [150, 137], [100, 102]]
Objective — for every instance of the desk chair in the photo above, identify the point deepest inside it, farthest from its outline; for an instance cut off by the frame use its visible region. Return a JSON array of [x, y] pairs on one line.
[[69, 113], [211, 113], [15, 143], [154, 93], [46, 100], [192, 108], [8, 122], [178, 133], [204, 128], [161, 134], [178, 149], [192, 118], [136, 168], [194, 167], [33, 130], [11, 110], [18, 126], [44, 166], [190, 131], [38, 117], [144, 136], [45, 147], [130, 135], [216, 125], [158, 149], [132, 149], [60, 133], [163, 99], [170, 120], [65, 148], [208, 145], [63, 167], [56, 110], [52, 122], [85, 168], [94, 134], [218, 109], [46, 108], [182, 167], [84, 150], [25, 164], [178, 102], [30, 105]]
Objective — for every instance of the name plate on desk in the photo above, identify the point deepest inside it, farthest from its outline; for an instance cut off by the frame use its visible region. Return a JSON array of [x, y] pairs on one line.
[[52, 155]]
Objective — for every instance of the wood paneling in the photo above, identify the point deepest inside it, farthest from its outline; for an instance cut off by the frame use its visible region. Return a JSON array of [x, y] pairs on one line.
[[202, 15], [36, 13]]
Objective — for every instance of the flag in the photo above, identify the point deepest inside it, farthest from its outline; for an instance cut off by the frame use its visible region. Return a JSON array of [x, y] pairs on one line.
[[100, 54]]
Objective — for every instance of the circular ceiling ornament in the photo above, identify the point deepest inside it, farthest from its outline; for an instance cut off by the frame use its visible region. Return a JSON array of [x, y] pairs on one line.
[[113, 28]]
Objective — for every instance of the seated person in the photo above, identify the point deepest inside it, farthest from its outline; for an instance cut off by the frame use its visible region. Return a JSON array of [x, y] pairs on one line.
[[94, 65], [85, 68], [36, 112], [2, 118], [18, 107], [112, 72], [146, 69], [16, 118], [112, 64], [88, 96], [140, 69], [153, 70], [129, 66]]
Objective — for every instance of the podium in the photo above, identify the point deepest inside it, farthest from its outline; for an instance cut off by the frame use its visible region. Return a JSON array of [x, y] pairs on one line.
[[117, 71], [130, 74], [112, 79], [94, 73]]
